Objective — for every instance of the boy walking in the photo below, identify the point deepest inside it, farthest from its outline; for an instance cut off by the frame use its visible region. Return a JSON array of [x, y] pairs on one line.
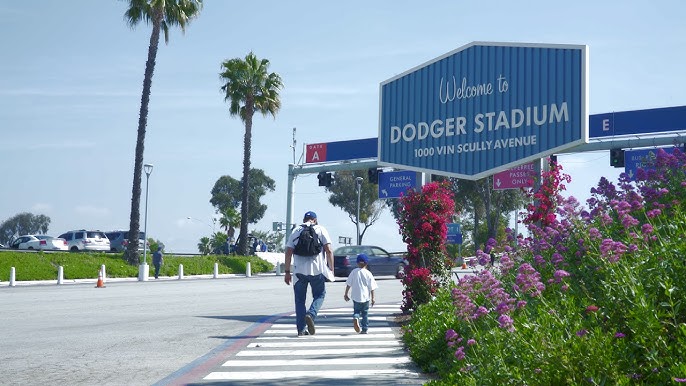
[[362, 283]]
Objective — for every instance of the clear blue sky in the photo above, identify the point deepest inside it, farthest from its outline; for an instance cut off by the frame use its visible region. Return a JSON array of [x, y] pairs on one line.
[[71, 77]]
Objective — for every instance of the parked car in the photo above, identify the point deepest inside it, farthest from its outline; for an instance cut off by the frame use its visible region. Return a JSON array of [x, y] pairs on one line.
[[39, 242], [380, 261], [119, 240], [83, 240]]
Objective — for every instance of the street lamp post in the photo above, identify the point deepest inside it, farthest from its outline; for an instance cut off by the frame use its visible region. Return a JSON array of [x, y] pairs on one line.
[[147, 168], [213, 226], [358, 184]]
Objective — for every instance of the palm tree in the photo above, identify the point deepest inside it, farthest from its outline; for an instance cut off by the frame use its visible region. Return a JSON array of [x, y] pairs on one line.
[[249, 88], [162, 14], [204, 246], [229, 221]]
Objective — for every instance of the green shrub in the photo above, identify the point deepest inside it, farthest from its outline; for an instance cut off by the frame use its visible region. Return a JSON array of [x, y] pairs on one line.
[[30, 266]]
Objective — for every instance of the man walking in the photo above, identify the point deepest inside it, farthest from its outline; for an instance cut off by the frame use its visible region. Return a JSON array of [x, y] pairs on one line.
[[157, 260], [309, 247]]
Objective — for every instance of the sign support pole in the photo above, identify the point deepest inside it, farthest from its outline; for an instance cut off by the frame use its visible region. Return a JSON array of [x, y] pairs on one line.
[[290, 200]]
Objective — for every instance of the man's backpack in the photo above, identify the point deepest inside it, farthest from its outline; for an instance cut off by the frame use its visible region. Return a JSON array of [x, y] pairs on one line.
[[308, 242]]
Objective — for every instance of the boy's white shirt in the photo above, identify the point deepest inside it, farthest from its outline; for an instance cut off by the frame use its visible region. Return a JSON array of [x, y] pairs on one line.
[[361, 283]]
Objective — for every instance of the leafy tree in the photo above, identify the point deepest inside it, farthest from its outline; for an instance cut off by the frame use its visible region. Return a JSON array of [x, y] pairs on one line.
[[226, 198], [23, 224], [249, 88], [344, 195], [162, 14]]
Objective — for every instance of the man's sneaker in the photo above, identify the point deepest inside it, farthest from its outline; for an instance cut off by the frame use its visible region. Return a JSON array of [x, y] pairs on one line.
[[356, 324], [303, 333], [363, 332], [310, 324]]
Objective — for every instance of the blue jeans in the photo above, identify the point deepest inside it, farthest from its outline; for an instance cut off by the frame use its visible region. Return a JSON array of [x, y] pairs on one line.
[[360, 311], [300, 290]]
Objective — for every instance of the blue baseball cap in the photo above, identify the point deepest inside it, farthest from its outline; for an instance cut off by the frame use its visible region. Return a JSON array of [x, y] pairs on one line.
[[362, 258], [310, 215]]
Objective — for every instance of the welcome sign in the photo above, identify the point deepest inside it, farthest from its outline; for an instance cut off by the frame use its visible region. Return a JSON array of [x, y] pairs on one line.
[[484, 108]]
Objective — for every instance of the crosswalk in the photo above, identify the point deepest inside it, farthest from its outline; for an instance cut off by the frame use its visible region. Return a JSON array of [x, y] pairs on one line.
[[336, 354]]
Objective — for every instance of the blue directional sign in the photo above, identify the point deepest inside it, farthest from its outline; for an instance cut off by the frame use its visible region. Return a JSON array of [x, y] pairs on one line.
[[395, 184], [484, 108], [637, 122], [634, 159], [454, 234]]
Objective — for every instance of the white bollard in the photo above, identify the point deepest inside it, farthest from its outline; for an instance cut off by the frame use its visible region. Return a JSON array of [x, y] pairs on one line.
[[180, 271], [277, 269], [216, 270], [12, 276], [60, 274], [104, 275], [247, 269]]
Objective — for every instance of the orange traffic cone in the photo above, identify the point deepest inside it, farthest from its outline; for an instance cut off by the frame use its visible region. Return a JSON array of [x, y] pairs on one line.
[[464, 265], [100, 283]]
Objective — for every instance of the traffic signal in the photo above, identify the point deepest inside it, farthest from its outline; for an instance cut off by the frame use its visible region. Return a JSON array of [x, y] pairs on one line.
[[373, 175], [617, 158], [325, 179]]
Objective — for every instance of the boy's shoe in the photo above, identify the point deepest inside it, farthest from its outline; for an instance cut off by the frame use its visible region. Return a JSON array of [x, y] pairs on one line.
[[356, 324], [310, 324], [303, 333], [363, 332]]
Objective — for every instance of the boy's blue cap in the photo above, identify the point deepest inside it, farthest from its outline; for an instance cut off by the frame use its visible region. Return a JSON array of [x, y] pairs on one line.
[[362, 258], [310, 214]]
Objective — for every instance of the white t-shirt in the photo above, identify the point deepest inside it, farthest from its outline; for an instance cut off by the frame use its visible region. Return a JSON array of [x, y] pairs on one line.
[[361, 283], [308, 265]]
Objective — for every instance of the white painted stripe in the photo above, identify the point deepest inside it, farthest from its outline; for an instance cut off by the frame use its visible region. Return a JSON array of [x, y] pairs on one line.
[[353, 335], [337, 351], [327, 374], [324, 331], [346, 320], [303, 343], [375, 307], [350, 311], [316, 362]]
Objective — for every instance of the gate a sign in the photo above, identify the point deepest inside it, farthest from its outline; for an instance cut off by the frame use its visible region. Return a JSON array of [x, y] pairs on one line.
[[485, 108]]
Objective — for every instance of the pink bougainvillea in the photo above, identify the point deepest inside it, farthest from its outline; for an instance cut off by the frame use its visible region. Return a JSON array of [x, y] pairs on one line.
[[423, 222]]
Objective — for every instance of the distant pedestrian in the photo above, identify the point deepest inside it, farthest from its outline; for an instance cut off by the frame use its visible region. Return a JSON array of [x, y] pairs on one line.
[[363, 285], [309, 267], [157, 260]]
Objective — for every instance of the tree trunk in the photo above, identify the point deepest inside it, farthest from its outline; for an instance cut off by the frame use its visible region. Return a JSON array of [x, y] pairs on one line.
[[132, 255], [243, 244]]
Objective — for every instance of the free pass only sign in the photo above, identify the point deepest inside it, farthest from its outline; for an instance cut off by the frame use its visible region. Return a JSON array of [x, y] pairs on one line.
[[484, 108]]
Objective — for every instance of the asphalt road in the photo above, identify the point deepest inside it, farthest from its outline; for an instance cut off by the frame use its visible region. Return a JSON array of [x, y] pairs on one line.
[[138, 333]]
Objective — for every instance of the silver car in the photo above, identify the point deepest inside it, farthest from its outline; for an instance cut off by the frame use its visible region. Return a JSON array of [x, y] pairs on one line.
[[83, 240]]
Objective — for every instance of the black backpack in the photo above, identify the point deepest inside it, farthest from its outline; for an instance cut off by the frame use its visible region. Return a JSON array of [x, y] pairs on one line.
[[308, 242]]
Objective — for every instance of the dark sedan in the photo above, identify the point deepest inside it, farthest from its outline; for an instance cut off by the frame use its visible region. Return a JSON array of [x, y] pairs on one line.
[[380, 261]]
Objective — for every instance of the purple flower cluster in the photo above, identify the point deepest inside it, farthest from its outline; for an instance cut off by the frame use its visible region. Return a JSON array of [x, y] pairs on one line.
[[453, 339], [485, 289], [528, 280]]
